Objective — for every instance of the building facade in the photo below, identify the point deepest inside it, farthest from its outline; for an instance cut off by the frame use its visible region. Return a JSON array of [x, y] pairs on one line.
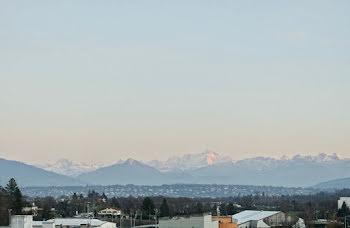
[[190, 222]]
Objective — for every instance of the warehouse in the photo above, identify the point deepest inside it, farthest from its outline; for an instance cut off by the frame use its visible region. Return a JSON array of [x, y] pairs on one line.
[[266, 219]]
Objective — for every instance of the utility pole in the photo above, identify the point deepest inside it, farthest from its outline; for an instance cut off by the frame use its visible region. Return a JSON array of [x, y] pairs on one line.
[[121, 220], [131, 220]]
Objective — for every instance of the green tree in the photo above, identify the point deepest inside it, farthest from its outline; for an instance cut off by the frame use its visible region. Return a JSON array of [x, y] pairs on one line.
[[231, 210], [148, 206], [4, 207], [343, 211], [115, 203], [164, 209], [15, 196], [199, 208], [223, 209]]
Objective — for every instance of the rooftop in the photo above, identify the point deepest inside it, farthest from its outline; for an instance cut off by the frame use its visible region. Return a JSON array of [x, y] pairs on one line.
[[77, 221], [251, 215]]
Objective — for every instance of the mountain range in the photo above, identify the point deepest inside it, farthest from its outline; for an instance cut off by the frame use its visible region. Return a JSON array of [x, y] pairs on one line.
[[69, 168], [203, 168], [28, 175], [189, 161]]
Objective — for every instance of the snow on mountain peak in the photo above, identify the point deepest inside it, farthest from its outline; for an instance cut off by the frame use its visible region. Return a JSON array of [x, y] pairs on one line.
[[190, 161], [211, 157], [284, 158], [69, 168], [320, 158], [131, 162]]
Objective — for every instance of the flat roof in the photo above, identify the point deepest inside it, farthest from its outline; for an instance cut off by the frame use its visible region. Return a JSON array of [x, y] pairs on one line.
[[77, 221]]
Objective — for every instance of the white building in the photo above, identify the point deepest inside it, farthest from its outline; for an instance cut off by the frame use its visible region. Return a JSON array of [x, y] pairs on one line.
[[191, 222], [109, 212], [74, 222], [342, 200], [20, 221], [266, 219], [26, 221]]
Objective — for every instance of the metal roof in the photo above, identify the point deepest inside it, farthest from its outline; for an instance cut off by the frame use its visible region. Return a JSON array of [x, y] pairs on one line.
[[251, 215]]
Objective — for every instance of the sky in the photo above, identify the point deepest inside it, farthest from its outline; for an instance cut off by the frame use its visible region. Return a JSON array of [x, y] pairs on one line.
[[99, 81]]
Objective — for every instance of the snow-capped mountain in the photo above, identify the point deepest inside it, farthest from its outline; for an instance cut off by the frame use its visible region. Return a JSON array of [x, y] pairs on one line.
[[69, 168], [211, 168], [298, 171], [189, 161]]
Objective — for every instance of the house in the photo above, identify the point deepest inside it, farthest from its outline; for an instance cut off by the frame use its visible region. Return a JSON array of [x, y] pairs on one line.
[[32, 210], [189, 222], [109, 212], [266, 219]]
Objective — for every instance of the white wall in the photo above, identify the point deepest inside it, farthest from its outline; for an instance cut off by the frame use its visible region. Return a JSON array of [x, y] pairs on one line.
[[108, 225], [244, 225], [21, 221], [192, 222]]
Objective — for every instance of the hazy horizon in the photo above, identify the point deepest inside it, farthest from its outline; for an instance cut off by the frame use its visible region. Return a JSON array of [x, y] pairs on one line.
[[96, 82]]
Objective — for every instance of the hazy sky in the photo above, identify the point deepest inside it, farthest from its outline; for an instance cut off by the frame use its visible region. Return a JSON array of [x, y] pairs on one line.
[[107, 80]]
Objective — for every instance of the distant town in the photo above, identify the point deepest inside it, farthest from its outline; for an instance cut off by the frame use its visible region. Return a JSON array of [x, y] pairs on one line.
[[167, 206], [176, 190]]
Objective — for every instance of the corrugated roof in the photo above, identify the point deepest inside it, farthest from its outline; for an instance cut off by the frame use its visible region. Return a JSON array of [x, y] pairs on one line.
[[251, 215]]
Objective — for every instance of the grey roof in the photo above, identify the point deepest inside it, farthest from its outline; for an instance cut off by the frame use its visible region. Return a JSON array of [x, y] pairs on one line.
[[77, 221], [251, 215]]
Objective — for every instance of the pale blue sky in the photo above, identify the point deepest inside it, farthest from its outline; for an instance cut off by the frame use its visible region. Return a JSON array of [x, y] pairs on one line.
[[104, 80]]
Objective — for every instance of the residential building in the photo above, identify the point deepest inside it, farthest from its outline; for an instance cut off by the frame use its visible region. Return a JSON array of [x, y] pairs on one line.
[[32, 210], [109, 212]]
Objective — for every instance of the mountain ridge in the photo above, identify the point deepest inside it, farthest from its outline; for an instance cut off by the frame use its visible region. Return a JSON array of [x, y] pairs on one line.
[[208, 168], [28, 175]]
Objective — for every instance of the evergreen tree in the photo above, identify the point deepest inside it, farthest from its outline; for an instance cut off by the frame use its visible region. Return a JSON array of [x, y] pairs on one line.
[[231, 210], [199, 208], [115, 203], [15, 196], [343, 211], [4, 207], [164, 209], [104, 197], [223, 209], [148, 206]]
